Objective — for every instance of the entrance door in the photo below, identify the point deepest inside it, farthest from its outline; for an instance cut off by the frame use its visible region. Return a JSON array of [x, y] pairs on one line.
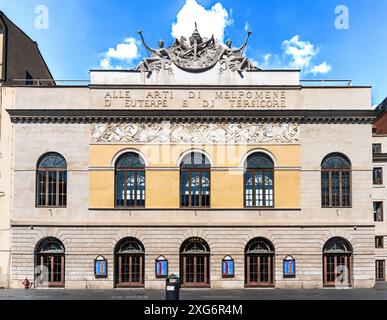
[[54, 266], [337, 255], [50, 264], [130, 272], [195, 263], [259, 263], [336, 270], [380, 267], [259, 270], [195, 270], [129, 263]]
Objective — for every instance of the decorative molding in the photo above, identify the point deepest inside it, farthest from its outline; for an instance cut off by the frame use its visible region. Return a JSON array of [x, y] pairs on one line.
[[196, 133], [233, 116]]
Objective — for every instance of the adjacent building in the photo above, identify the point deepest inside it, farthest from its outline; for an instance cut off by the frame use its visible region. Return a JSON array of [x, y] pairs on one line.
[[199, 164], [379, 193], [20, 59], [20, 64]]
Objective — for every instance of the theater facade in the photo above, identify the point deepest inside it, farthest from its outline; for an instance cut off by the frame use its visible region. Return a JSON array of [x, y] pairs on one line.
[[198, 164]]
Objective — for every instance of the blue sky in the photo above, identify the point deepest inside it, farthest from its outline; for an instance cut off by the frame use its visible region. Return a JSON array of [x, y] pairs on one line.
[[286, 34]]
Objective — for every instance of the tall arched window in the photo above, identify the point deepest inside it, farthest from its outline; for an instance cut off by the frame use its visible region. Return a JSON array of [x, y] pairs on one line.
[[130, 181], [51, 181], [336, 181], [195, 263], [195, 180], [259, 263], [129, 263], [337, 254], [50, 263], [259, 181]]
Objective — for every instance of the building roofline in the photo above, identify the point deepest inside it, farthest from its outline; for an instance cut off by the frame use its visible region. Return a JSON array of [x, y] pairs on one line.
[[336, 87], [182, 87], [139, 71], [5, 67], [381, 109]]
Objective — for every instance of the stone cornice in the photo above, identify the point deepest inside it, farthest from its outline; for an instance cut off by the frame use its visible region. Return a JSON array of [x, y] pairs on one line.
[[119, 115], [104, 224]]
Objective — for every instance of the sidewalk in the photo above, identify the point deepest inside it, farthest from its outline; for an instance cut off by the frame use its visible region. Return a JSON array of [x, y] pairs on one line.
[[379, 293]]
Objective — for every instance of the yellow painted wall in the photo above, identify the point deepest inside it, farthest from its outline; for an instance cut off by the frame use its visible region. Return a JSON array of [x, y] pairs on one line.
[[227, 189], [287, 189], [162, 185], [101, 193], [162, 189], [168, 155]]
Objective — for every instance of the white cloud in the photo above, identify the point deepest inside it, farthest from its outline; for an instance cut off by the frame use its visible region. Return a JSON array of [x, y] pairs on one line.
[[301, 52], [210, 22], [124, 54], [298, 54], [270, 61], [105, 64], [124, 51], [266, 57], [323, 68]]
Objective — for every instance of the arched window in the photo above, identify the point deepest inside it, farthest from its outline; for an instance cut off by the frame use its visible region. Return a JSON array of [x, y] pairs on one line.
[[195, 180], [336, 181], [195, 263], [50, 264], [259, 181], [259, 263], [51, 181], [130, 181], [129, 263], [337, 254]]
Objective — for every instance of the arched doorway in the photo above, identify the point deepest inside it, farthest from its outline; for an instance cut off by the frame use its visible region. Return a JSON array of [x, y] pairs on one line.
[[337, 256], [259, 263], [50, 263], [129, 263], [195, 263]]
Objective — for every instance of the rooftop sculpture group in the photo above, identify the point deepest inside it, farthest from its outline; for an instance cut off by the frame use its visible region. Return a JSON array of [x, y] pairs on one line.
[[196, 54]]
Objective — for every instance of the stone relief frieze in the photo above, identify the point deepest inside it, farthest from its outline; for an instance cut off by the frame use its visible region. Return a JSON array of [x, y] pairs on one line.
[[196, 133]]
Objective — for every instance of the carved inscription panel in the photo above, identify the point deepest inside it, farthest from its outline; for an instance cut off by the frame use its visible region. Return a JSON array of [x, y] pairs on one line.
[[193, 99]]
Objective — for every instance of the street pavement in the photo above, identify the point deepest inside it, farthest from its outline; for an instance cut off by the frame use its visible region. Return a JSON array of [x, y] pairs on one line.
[[379, 293]]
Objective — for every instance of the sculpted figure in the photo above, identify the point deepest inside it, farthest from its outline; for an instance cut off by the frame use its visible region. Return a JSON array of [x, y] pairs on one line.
[[236, 60], [198, 47], [181, 46], [195, 54], [157, 55]]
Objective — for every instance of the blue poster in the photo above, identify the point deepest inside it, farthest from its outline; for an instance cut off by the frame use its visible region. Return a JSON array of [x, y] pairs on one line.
[[228, 268], [161, 268], [100, 268], [289, 268]]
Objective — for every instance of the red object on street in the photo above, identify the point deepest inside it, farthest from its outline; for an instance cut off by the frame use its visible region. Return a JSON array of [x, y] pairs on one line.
[[27, 284]]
